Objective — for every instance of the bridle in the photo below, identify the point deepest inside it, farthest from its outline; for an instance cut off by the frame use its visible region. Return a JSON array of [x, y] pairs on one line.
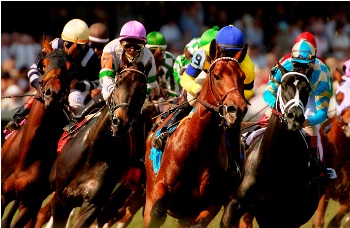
[[57, 60], [284, 108], [219, 107], [113, 106]]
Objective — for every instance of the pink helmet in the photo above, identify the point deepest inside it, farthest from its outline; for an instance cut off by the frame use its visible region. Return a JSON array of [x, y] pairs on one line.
[[346, 68], [133, 30]]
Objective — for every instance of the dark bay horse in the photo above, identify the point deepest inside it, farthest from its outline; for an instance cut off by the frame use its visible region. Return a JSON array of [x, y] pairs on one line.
[[96, 157], [192, 181], [28, 154], [336, 137], [276, 187]]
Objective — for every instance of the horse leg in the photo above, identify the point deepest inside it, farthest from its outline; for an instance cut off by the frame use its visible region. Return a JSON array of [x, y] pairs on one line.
[[6, 221], [346, 223], [134, 203], [320, 211], [336, 220], [247, 221], [60, 214], [44, 215], [87, 215], [232, 215], [26, 214], [155, 211]]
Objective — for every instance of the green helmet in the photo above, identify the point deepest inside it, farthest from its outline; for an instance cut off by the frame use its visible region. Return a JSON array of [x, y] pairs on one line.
[[208, 35], [155, 40]]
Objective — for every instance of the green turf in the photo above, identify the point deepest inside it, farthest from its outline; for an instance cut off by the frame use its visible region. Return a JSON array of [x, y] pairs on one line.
[[171, 222]]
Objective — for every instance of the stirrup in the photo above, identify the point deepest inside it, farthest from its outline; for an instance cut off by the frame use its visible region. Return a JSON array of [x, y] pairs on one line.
[[12, 125], [160, 141], [69, 127]]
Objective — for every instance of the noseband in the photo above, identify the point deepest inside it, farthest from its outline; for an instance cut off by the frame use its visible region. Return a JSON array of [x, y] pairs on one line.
[[113, 106], [220, 107]]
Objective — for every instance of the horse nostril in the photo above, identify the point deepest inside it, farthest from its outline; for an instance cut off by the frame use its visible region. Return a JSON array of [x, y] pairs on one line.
[[48, 92], [231, 108], [290, 115]]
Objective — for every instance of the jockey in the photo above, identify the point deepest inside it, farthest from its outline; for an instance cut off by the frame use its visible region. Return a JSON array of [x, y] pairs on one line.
[[182, 61], [98, 37], [229, 38], [131, 43], [83, 57], [164, 63], [303, 59]]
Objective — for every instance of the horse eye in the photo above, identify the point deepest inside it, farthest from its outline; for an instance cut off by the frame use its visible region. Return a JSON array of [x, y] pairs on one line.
[[216, 76]]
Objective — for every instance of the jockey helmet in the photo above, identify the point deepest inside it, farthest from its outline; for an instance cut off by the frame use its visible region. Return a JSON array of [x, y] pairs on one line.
[[303, 52], [230, 38], [98, 33], [306, 36], [76, 30], [155, 40], [133, 30], [346, 68], [209, 35]]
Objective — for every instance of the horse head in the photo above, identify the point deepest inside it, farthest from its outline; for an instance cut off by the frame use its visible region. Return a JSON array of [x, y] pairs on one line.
[[342, 98], [225, 85], [127, 98], [55, 71], [292, 97]]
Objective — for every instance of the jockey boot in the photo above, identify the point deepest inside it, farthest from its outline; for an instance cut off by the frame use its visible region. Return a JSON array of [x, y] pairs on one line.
[[96, 102], [21, 113], [318, 171], [160, 140], [245, 135]]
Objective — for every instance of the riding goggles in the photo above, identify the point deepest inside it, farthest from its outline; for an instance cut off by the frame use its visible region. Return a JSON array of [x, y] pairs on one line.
[[303, 56], [127, 46], [68, 44], [97, 46]]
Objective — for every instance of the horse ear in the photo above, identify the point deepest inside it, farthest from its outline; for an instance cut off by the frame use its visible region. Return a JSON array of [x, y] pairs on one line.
[[125, 61], [337, 75], [213, 50], [148, 66], [242, 53], [46, 44], [73, 47], [282, 69]]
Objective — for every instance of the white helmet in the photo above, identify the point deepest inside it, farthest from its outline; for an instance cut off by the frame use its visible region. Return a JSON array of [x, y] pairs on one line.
[[76, 30]]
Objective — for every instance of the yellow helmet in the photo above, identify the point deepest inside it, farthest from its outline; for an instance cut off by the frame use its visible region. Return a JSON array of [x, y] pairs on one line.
[[76, 29]]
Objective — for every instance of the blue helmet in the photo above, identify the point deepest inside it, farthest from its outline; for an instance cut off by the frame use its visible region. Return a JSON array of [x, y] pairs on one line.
[[230, 38], [303, 52]]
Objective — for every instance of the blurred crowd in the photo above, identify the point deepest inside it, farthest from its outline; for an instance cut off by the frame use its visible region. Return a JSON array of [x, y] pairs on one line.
[[269, 30]]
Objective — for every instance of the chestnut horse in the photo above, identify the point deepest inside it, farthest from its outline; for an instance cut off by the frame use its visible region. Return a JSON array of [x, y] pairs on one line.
[[192, 182], [336, 134], [28, 154], [99, 153], [276, 187]]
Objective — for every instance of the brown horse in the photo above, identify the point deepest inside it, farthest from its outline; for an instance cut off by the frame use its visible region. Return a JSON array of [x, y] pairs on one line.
[[100, 152], [336, 137], [192, 182], [276, 188], [28, 154]]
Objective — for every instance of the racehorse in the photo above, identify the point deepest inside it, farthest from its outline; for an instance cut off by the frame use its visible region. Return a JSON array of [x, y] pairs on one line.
[[192, 181], [98, 153], [276, 187], [28, 154], [336, 136]]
